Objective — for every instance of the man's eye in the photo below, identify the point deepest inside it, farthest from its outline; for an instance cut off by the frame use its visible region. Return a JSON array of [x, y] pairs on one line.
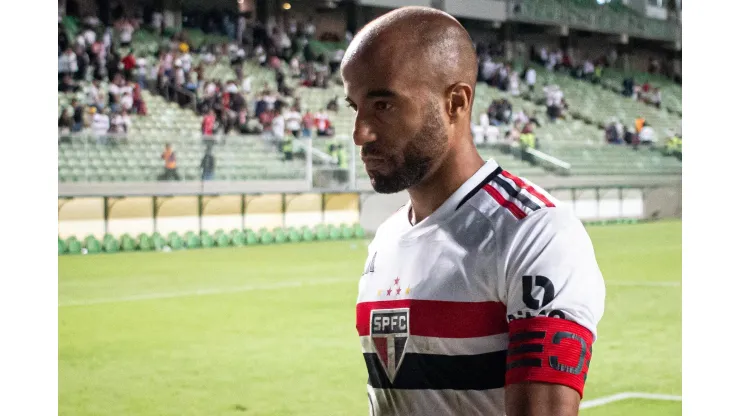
[[382, 105], [352, 106]]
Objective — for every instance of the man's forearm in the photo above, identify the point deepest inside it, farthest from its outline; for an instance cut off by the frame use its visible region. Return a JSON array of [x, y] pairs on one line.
[[541, 399]]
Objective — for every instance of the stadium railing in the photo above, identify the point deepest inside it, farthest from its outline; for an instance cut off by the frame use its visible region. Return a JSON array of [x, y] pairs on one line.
[[119, 158]]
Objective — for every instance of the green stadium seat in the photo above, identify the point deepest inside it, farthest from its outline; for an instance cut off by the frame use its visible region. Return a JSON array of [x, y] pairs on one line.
[[293, 235], [222, 240], [238, 238], [175, 241], [92, 245], [346, 232], [307, 234], [73, 246], [110, 245], [322, 233], [280, 236], [206, 240], [266, 237], [128, 244], [252, 237], [145, 243], [359, 231], [334, 232], [192, 240]]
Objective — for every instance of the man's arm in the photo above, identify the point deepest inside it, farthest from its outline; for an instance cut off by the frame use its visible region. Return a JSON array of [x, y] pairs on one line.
[[555, 298], [524, 399]]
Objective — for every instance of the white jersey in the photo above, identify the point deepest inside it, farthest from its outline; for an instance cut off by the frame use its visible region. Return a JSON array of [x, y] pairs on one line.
[[499, 269]]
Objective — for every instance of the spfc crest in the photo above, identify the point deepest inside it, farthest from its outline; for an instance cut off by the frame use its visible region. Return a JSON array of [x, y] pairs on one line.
[[389, 330]]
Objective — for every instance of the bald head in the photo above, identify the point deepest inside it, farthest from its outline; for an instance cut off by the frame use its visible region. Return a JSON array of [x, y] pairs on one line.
[[410, 77], [435, 47]]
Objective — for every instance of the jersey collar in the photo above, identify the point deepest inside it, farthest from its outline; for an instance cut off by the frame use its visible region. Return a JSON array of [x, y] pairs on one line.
[[458, 198]]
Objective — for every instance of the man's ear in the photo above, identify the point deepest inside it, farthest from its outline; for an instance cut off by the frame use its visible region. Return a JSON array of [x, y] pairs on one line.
[[459, 100]]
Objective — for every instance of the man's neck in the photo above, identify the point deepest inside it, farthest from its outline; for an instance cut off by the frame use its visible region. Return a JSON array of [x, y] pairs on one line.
[[429, 195]]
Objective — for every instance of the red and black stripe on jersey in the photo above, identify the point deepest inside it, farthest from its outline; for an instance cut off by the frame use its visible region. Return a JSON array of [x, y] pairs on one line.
[[511, 192], [443, 320]]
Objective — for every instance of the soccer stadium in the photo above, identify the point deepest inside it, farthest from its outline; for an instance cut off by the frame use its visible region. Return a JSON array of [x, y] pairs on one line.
[[215, 213]]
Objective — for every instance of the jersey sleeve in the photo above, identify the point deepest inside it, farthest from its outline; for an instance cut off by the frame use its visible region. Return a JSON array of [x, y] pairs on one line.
[[554, 294]]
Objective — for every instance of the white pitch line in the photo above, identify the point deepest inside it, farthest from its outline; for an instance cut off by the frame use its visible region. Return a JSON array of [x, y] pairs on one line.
[[203, 292], [273, 286], [645, 284], [626, 396]]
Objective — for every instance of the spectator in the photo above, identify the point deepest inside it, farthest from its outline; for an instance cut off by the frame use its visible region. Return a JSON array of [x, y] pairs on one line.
[[68, 85], [333, 104], [588, 70], [307, 124], [531, 78], [646, 135], [278, 125], [117, 125], [100, 125], [170, 164], [208, 164], [293, 121], [129, 64], [209, 123], [126, 121], [66, 122], [127, 101], [513, 84], [323, 126], [77, 116], [127, 32], [639, 124], [628, 85], [656, 97]]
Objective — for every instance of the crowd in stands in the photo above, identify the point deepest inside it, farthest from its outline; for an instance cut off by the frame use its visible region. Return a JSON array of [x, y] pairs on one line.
[[235, 105], [84, 61]]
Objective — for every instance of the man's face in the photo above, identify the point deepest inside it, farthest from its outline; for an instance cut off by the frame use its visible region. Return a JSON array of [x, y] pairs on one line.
[[398, 122]]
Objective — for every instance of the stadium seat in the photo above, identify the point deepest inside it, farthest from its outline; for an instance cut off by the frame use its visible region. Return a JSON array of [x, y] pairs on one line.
[[175, 241], [252, 237], [238, 238], [128, 244], [293, 235], [307, 234], [73, 246], [144, 242], [266, 237], [92, 245], [222, 240], [110, 245], [346, 231], [206, 241], [192, 240], [334, 232], [322, 233], [280, 236], [158, 242], [359, 231]]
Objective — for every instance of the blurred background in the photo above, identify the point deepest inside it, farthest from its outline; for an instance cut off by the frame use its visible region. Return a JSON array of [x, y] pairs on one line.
[[207, 145]]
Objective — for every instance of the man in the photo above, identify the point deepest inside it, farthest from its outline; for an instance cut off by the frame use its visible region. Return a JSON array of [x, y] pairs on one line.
[[481, 295], [170, 164], [208, 164]]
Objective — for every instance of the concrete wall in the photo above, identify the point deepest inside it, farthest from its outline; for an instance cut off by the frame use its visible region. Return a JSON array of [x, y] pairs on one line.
[[134, 215]]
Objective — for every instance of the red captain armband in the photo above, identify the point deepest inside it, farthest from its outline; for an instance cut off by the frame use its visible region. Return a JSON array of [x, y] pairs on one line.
[[549, 350]]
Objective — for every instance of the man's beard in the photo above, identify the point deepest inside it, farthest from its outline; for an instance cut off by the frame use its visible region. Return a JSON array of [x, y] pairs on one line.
[[418, 156]]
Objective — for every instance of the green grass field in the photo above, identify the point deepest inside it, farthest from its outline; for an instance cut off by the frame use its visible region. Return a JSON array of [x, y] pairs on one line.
[[269, 330]]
